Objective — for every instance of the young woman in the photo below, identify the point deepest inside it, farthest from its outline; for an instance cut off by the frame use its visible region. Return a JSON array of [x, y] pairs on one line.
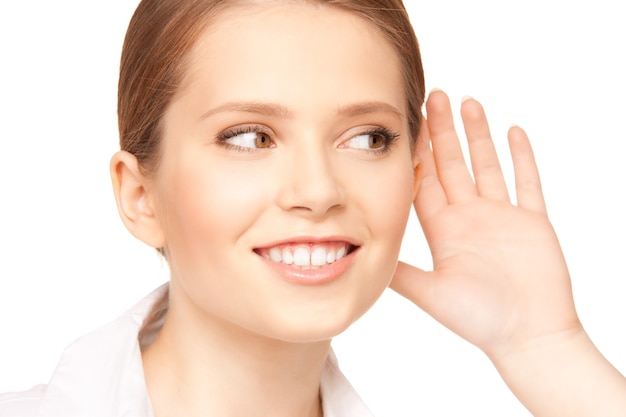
[[271, 152]]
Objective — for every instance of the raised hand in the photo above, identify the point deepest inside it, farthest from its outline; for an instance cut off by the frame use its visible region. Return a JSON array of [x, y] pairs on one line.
[[499, 278]]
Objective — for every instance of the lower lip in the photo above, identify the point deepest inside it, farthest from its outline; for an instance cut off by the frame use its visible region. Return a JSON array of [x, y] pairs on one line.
[[313, 276]]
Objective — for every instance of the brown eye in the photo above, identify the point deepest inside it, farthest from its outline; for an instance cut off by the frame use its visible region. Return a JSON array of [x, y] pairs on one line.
[[377, 141], [249, 138], [262, 140], [373, 141]]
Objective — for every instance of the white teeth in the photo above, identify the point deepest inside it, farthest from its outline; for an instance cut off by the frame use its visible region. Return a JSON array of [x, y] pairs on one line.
[[318, 256], [305, 255], [275, 255], [301, 257], [287, 257]]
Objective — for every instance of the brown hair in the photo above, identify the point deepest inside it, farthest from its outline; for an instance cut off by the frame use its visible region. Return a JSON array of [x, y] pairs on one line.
[[161, 34]]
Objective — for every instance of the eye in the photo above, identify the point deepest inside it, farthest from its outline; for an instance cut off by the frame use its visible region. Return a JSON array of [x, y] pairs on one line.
[[378, 140], [368, 141], [250, 137]]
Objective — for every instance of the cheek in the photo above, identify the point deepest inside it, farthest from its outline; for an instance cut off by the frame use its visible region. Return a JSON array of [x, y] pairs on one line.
[[385, 196], [209, 205], [382, 199]]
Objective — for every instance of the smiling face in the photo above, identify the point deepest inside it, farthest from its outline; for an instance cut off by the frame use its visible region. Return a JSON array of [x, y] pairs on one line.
[[286, 174]]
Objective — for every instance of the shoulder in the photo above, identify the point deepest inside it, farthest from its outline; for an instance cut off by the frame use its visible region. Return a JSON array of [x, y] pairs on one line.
[[21, 404], [100, 374]]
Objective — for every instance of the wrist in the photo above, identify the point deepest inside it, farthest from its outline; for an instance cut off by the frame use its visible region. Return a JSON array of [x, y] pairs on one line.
[[563, 374], [542, 350]]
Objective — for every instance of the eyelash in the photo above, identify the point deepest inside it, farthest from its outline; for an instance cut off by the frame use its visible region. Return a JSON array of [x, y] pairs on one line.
[[223, 137], [389, 137]]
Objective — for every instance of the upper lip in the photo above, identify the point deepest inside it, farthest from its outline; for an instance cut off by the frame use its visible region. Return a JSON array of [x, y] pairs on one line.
[[310, 239]]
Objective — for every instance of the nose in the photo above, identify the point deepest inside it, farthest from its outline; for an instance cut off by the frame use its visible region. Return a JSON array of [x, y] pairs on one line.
[[310, 184]]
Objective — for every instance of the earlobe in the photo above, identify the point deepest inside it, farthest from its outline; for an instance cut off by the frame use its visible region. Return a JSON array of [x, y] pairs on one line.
[[134, 202]]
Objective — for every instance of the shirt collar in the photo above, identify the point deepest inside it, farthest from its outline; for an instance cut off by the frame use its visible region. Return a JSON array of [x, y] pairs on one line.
[[101, 374]]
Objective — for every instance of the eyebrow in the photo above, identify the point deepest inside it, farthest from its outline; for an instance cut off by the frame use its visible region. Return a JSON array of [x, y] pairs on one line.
[[360, 109], [264, 109], [279, 111]]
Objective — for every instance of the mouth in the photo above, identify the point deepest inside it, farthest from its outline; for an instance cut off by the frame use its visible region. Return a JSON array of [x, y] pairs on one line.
[[313, 255]]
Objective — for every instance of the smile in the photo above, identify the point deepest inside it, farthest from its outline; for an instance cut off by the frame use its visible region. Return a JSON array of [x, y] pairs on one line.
[[307, 255]]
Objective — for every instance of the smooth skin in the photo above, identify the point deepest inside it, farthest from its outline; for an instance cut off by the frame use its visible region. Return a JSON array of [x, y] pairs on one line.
[[236, 328], [499, 278]]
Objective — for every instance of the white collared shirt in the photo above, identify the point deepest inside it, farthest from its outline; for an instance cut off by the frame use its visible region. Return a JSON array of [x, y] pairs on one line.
[[101, 374]]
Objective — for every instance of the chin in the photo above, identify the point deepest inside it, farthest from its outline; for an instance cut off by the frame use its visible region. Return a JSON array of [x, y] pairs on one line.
[[316, 326]]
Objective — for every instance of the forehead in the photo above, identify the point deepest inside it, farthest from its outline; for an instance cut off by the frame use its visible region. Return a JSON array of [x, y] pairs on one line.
[[260, 50]]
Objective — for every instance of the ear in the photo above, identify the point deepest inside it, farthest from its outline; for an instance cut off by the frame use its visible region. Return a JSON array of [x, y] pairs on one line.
[[134, 202], [417, 166], [417, 179]]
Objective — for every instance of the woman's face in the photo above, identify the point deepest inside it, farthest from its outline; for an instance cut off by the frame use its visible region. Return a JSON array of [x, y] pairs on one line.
[[286, 176]]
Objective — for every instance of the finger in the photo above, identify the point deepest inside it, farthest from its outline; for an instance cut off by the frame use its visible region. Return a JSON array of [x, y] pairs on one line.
[[527, 182], [430, 197], [414, 284], [485, 164], [451, 167]]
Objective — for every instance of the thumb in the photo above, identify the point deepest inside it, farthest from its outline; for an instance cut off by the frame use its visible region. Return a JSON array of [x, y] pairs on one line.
[[415, 284]]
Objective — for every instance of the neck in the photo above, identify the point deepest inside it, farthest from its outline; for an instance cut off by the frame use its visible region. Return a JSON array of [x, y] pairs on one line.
[[227, 370]]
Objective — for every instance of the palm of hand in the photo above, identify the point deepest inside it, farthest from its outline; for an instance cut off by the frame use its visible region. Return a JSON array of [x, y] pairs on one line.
[[499, 277]]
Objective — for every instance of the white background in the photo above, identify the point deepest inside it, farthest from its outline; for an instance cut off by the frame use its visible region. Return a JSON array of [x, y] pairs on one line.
[[67, 265]]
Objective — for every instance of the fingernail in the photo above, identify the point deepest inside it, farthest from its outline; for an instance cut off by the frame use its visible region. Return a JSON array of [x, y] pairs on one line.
[[465, 98], [434, 90]]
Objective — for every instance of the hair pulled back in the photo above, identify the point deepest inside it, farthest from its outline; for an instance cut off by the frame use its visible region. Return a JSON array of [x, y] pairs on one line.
[[162, 33]]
